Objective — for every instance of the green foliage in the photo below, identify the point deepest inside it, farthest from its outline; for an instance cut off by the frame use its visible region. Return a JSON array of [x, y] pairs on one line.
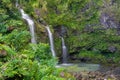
[[20, 65], [16, 39], [84, 36], [93, 56], [70, 13], [3, 28], [82, 21], [20, 60]]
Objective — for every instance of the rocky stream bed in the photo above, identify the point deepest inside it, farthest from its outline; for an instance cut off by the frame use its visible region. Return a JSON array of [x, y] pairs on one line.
[[102, 73]]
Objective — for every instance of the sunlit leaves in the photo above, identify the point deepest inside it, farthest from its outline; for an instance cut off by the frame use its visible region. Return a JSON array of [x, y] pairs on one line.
[[16, 39]]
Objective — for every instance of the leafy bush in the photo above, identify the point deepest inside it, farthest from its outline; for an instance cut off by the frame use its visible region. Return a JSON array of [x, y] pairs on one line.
[[16, 39], [19, 66], [93, 56]]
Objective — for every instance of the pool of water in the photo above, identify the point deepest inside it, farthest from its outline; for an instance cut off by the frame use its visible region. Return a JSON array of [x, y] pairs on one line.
[[77, 67]]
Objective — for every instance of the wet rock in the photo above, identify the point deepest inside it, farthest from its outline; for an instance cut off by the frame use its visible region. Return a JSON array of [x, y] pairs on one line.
[[62, 74], [10, 29], [3, 53], [116, 71], [112, 48]]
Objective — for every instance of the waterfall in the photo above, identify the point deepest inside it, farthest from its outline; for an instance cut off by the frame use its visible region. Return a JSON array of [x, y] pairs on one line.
[[16, 3], [31, 25], [64, 51], [51, 40]]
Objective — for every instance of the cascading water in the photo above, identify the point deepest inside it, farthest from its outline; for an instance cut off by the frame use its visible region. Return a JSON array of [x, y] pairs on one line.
[[31, 25], [64, 51], [51, 40], [16, 3]]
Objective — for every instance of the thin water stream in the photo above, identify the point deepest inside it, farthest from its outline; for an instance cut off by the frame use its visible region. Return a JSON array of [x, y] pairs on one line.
[[64, 51], [51, 41], [31, 25]]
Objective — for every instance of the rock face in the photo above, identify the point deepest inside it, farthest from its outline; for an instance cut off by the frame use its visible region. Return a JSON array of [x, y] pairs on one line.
[[107, 21]]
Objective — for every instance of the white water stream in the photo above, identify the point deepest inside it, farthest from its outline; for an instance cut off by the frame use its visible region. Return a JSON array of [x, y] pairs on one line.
[[64, 51], [30, 23], [51, 41]]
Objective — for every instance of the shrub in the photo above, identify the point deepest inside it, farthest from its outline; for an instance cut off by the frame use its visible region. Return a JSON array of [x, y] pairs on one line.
[[95, 57], [19, 66], [16, 39]]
